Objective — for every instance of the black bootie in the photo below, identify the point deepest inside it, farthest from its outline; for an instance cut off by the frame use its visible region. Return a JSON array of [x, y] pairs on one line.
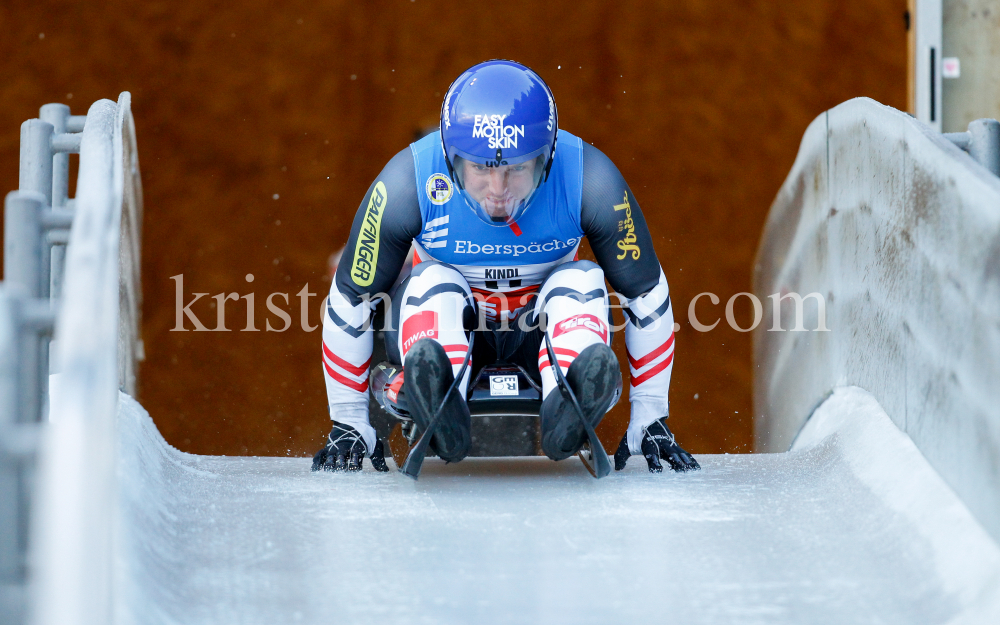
[[427, 376], [595, 378]]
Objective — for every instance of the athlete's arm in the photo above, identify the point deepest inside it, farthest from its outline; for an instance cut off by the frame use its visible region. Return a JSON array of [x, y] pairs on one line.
[[400, 223], [384, 227], [614, 225], [617, 231]]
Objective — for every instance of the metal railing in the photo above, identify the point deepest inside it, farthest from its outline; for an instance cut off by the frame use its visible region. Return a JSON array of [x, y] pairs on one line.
[[981, 142], [37, 220], [57, 461]]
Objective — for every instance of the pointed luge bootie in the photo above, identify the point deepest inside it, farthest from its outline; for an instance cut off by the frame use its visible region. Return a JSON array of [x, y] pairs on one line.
[[428, 375], [595, 378]]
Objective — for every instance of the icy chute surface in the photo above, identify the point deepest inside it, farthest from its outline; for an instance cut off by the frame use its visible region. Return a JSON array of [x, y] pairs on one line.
[[803, 536]]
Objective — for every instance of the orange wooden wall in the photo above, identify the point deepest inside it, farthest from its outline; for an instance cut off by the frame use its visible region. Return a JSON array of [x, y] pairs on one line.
[[701, 104]]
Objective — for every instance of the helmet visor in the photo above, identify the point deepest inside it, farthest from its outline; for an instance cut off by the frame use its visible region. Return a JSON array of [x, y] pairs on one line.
[[499, 194]]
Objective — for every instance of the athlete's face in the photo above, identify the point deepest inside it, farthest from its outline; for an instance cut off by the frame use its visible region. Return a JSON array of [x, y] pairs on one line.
[[501, 189]]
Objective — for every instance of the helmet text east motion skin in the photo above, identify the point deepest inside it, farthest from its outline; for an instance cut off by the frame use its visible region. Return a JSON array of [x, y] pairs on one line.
[[498, 133]]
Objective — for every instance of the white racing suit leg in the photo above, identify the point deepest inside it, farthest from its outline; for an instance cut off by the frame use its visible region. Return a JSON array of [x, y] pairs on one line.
[[435, 304], [347, 352], [649, 339], [575, 302]]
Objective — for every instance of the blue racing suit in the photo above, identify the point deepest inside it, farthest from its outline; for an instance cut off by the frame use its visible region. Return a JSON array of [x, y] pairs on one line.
[[499, 270]]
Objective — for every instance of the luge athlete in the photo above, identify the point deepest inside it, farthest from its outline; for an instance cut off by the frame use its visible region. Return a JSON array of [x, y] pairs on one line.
[[495, 205]]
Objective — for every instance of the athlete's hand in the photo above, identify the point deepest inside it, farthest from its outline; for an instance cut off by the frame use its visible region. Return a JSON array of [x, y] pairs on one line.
[[345, 449], [657, 442]]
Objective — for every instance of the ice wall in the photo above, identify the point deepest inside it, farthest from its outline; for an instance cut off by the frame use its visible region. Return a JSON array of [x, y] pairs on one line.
[[899, 231]]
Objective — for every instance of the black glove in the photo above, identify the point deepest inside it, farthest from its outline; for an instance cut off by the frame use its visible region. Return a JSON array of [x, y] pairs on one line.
[[657, 442], [344, 450]]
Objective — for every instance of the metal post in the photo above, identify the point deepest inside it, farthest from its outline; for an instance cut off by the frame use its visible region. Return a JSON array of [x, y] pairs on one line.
[[36, 158], [9, 349], [57, 223], [57, 268], [20, 318], [37, 320], [984, 144], [36, 174], [57, 115], [23, 245], [25, 250], [11, 572]]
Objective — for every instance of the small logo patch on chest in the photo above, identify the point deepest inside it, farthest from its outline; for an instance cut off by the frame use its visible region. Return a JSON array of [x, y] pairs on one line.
[[439, 189]]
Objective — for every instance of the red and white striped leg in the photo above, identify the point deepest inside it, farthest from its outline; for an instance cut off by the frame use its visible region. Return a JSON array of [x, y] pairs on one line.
[[575, 302], [649, 339], [434, 307]]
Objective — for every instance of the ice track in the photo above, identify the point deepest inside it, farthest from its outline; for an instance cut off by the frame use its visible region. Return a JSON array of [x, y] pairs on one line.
[[851, 526]]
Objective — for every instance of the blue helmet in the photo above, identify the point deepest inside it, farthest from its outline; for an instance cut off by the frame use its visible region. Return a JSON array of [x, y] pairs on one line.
[[498, 132]]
